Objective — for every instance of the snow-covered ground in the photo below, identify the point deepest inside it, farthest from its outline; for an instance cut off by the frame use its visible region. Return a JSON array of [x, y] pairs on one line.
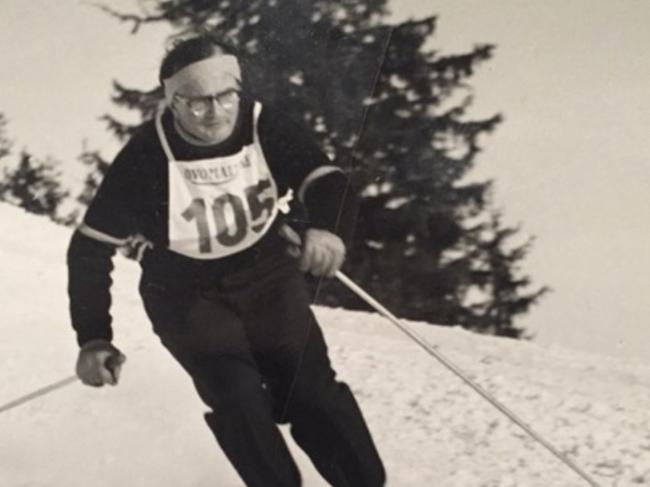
[[431, 429]]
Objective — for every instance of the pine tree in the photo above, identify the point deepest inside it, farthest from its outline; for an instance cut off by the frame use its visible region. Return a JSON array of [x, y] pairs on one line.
[[33, 185], [5, 143], [30, 184], [393, 113]]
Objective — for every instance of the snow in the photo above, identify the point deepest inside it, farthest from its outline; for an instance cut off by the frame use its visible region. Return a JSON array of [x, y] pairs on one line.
[[430, 428]]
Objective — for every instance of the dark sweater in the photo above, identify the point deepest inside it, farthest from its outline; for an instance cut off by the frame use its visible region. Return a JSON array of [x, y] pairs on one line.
[[132, 199]]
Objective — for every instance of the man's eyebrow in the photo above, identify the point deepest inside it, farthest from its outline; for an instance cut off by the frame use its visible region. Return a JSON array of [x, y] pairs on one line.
[[235, 89]]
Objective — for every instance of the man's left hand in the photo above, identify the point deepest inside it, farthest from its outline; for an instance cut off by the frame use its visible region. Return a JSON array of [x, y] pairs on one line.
[[321, 252]]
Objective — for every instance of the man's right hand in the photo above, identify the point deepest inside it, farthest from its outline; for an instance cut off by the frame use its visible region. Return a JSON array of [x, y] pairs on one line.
[[99, 363]]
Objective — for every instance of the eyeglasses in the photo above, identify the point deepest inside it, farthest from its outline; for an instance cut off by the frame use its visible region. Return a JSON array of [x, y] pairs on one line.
[[199, 105]]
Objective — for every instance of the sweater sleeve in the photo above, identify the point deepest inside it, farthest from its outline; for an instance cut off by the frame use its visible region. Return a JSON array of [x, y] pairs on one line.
[[332, 204], [89, 281], [107, 224]]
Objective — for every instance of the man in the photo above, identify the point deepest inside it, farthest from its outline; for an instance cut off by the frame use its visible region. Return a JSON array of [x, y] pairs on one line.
[[197, 196]]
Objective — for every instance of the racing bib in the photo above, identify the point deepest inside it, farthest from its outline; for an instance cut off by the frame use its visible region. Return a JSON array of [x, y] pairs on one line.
[[221, 206]]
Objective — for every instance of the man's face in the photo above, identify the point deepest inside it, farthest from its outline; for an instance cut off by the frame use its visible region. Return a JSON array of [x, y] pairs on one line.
[[207, 107]]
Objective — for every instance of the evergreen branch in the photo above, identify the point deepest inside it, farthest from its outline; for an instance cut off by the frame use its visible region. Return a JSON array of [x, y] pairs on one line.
[[121, 130], [137, 20], [452, 69], [423, 27]]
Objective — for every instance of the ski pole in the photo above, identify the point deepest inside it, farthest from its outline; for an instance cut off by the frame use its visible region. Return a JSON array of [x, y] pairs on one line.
[[111, 363], [458, 372], [38, 393]]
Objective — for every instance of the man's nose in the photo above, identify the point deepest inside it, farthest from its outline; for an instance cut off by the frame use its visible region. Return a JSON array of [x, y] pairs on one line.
[[215, 108]]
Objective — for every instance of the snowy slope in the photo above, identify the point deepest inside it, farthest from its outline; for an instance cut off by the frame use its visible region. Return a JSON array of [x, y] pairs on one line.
[[430, 428]]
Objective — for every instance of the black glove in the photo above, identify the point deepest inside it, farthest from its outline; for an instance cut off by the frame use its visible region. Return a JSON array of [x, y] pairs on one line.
[[99, 363]]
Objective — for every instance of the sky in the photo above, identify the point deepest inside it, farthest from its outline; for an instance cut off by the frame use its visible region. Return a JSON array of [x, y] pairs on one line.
[[570, 162]]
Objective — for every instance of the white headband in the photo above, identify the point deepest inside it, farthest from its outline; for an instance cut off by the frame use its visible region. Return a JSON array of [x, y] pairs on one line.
[[206, 68]]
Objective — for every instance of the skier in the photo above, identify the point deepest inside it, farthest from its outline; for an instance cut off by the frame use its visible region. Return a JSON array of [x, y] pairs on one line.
[[197, 196]]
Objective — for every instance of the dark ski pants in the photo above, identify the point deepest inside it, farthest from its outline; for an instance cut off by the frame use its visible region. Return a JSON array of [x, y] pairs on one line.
[[257, 357]]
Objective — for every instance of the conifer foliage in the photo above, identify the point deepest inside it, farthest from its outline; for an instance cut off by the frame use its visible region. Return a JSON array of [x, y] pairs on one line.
[[31, 184], [393, 112], [5, 143]]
